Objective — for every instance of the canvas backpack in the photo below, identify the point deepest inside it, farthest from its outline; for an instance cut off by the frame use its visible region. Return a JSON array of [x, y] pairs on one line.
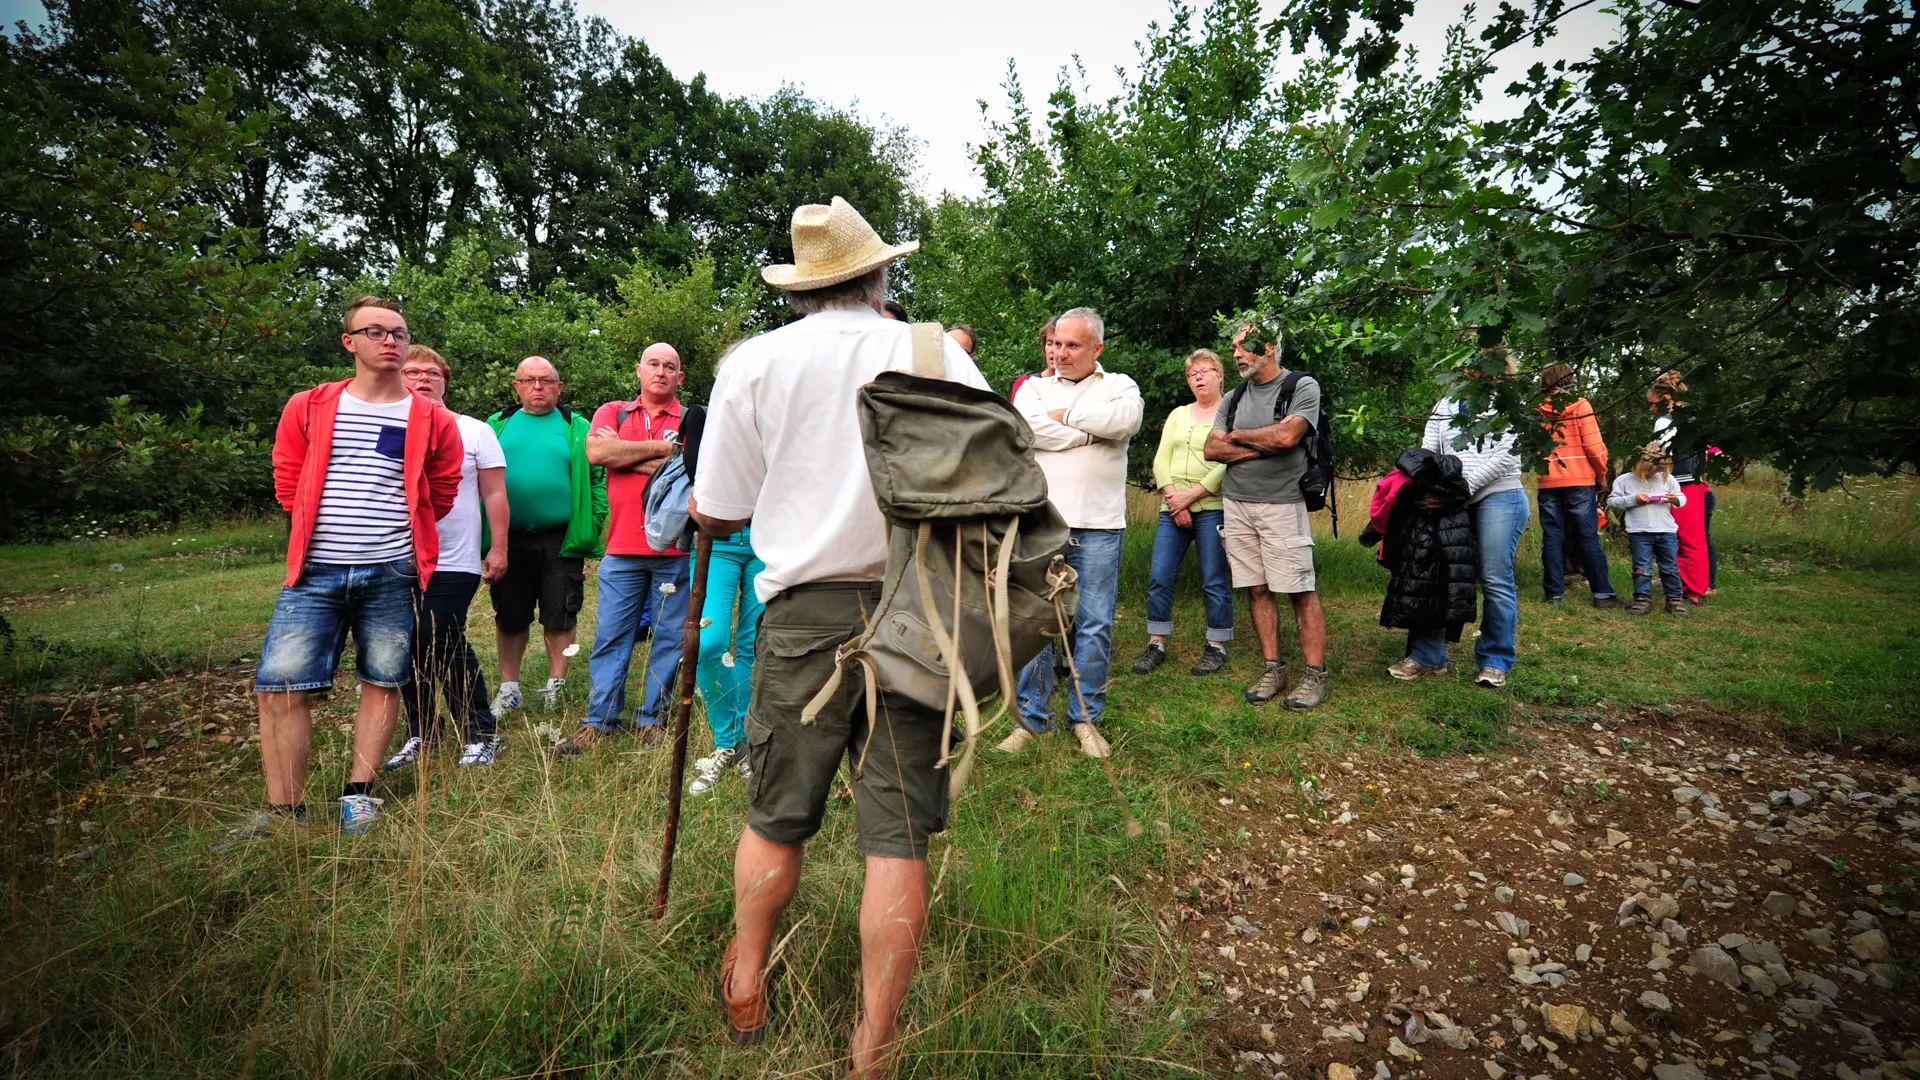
[[1316, 483], [972, 531]]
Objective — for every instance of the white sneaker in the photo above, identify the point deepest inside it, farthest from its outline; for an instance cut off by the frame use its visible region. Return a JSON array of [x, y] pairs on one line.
[[710, 769], [1016, 742], [409, 753], [479, 753], [550, 693], [1092, 743], [505, 699]]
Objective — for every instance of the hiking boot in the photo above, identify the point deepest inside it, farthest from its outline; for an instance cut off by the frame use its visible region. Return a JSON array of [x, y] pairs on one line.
[[1092, 743], [1642, 605], [550, 693], [1607, 602], [1016, 742], [1677, 606], [1211, 660], [746, 1016], [358, 813], [651, 735], [506, 698], [1271, 684], [1312, 690], [1151, 657], [709, 770], [1410, 669], [1491, 677], [409, 753], [582, 741], [480, 753]]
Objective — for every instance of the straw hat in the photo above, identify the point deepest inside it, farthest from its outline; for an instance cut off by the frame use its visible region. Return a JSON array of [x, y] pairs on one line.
[[832, 244]]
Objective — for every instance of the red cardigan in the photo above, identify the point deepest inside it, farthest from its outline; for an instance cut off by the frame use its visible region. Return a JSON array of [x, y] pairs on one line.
[[304, 441]]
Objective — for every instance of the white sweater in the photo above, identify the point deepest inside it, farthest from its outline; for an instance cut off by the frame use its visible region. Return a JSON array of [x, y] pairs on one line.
[[1488, 466], [1084, 458], [1642, 517]]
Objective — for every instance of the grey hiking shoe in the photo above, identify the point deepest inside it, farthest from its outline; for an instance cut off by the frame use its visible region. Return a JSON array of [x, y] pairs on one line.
[[1311, 691], [1677, 606], [1410, 669], [1642, 605], [1151, 657], [1271, 684], [1491, 677], [1211, 660]]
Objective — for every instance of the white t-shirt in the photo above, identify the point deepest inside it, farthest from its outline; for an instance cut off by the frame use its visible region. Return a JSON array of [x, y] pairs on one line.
[[363, 517], [782, 445], [460, 529]]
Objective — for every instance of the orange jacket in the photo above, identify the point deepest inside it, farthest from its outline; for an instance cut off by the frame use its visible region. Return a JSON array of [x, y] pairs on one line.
[[1580, 455], [304, 441]]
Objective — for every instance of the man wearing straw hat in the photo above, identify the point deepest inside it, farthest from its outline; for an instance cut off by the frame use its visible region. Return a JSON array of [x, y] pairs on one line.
[[783, 450]]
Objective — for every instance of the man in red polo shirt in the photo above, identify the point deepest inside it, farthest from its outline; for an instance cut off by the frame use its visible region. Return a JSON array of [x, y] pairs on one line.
[[629, 439]]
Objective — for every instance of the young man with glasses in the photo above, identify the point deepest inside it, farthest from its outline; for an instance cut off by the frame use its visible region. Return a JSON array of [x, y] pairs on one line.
[[367, 469], [441, 652], [558, 503]]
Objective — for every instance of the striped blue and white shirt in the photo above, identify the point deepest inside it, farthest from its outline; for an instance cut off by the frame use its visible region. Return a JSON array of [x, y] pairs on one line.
[[363, 506]]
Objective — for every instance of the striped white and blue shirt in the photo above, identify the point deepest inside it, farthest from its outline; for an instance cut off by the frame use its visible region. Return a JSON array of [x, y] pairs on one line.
[[363, 506]]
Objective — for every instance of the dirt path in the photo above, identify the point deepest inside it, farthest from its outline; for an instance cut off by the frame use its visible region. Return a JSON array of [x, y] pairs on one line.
[[1627, 895]]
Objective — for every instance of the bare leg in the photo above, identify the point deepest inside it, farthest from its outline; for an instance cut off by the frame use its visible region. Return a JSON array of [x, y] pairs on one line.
[[286, 735], [512, 649], [1310, 619], [1266, 622], [765, 877], [372, 730], [557, 642], [893, 920]]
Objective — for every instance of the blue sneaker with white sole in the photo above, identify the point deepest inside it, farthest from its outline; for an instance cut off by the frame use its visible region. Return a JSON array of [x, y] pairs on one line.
[[358, 813]]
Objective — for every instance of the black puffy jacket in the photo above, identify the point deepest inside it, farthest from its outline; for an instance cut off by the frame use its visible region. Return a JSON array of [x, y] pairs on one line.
[[1433, 554]]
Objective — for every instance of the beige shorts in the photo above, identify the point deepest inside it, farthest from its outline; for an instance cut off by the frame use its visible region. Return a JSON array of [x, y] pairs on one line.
[[1269, 544]]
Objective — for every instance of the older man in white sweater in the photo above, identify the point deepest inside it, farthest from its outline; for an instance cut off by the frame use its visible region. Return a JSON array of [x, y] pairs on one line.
[[1082, 418]]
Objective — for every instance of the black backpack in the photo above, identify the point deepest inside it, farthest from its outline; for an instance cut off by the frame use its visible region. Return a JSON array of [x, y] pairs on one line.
[[1316, 483]]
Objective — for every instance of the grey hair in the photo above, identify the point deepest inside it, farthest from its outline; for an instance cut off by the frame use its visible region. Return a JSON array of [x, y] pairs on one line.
[[1089, 316], [865, 291]]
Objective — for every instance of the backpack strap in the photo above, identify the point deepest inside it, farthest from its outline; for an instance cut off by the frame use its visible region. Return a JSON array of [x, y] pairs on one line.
[[1232, 403], [929, 355], [1281, 404]]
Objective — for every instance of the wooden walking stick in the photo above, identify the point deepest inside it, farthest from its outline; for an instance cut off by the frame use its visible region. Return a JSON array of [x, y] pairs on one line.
[[683, 716]]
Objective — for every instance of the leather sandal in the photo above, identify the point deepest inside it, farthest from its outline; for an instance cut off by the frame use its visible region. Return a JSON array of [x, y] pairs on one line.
[[746, 1017]]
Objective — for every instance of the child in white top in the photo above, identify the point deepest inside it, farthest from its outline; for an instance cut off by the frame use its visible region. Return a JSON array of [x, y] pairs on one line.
[[1646, 498]]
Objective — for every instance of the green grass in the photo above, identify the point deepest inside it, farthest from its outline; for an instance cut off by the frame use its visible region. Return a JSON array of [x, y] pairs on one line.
[[496, 925]]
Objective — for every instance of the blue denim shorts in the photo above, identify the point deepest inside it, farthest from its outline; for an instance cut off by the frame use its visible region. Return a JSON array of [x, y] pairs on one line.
[[311, 621]]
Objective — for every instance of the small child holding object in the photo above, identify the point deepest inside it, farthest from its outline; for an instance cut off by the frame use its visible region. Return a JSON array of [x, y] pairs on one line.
[[1646, 498]]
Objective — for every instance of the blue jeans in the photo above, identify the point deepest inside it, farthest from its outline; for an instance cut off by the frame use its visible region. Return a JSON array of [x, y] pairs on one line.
[[630, 584], [724, 686], [311, 620], [1170, 544], [1648, 549], [1564, 511], [1095, 555], [1498, 521]]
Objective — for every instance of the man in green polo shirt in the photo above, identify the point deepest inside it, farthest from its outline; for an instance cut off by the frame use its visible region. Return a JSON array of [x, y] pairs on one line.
[[558, 503]]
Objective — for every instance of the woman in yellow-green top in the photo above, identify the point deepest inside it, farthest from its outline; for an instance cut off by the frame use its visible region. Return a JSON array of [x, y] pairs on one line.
[[1190, 486]]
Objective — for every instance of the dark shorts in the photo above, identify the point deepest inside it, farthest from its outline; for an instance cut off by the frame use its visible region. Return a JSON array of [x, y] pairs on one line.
[[538, 575], [899, 798]]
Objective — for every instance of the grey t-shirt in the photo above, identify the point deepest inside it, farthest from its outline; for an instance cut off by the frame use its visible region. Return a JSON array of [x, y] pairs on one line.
[[1273, 479]]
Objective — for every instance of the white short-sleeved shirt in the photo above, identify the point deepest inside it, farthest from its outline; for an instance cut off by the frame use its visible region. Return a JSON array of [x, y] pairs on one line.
[[782, 445], [460, 529]]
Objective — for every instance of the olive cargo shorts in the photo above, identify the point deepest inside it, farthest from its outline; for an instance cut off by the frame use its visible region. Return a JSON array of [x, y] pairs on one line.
[[899, 798]]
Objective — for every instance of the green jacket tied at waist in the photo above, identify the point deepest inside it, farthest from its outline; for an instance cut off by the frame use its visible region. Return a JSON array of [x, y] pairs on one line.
[[587, 517]]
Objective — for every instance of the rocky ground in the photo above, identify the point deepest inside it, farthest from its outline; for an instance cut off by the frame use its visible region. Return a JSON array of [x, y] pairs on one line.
[[1670, 896]]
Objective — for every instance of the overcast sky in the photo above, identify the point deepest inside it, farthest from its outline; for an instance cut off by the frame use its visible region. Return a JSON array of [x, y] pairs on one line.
[[927, 65]]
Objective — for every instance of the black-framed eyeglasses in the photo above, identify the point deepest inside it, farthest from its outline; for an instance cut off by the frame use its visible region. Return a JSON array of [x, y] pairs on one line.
[[378, 334], [539, 380]]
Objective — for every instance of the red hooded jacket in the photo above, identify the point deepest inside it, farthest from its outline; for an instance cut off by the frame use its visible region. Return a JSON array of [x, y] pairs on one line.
[[303, 443]]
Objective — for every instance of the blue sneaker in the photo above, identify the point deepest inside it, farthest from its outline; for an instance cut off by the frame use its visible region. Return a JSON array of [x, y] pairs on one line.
[[358, 813], [479, 753]]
